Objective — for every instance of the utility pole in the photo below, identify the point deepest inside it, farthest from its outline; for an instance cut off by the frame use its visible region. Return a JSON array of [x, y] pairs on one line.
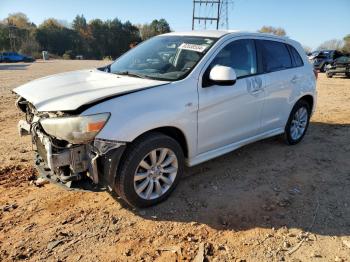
[[224, 19], [12, 35], [206, 11], [209, 12]]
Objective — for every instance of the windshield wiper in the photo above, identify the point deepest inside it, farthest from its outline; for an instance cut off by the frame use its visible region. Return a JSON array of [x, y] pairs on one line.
[[128, 73]]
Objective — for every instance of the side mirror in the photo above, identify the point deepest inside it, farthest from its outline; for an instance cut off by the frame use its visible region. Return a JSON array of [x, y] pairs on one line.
[[222, 75]]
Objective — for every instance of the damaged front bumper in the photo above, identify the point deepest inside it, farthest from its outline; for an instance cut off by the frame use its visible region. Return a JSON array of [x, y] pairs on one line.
[[75, 165]]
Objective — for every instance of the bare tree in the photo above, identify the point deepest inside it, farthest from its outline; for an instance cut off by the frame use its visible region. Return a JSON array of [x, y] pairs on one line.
[[333, 44], [19, 20], [307, 49], [273, 30]]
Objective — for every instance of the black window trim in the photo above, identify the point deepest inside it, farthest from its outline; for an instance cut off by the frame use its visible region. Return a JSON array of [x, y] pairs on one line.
[[290, 49], [259, 59], [205, 77], [280, 69]]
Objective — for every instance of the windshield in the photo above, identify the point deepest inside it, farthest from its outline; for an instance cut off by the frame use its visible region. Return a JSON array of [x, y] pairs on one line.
[[167, 58]]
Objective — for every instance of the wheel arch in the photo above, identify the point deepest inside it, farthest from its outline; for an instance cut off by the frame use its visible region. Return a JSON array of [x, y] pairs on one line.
[[173, 132], [306, 97], [309, 99]]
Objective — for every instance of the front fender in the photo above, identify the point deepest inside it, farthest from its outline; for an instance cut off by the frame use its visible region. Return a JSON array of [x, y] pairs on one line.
[[135, 114]]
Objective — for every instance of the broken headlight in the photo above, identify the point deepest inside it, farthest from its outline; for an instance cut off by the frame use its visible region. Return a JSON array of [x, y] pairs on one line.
[[76, 129]]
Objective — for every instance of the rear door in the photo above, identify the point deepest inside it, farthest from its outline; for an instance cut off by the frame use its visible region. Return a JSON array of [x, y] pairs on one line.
[[280, 77]]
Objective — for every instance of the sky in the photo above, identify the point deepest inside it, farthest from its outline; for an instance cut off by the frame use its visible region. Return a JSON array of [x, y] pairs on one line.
[[310, 22]]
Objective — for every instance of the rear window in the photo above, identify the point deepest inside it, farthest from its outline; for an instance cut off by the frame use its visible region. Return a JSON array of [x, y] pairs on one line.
[[275, 55], [298, 61]]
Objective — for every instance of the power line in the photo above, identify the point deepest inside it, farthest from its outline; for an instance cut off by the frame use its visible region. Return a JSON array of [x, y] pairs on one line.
[[204, 13], [211, 13]]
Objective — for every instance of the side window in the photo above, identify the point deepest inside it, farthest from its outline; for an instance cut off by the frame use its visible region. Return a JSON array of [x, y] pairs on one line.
[[240, 55], [275, 55], [298, 61]]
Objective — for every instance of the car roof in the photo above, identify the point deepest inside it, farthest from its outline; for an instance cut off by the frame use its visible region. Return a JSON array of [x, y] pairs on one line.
[[203, 33], [221, 33]]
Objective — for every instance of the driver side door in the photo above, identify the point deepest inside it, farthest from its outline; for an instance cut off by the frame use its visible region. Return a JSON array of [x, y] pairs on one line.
[[231, 113]]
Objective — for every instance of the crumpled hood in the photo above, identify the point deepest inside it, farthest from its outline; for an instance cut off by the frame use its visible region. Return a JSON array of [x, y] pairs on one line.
[[69, 91]]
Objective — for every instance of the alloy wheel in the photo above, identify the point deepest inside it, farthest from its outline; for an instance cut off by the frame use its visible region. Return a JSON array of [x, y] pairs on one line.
[[299, 122], [155, 173]]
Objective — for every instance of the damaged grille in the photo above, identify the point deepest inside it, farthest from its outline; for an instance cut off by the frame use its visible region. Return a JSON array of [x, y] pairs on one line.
[[41, 149], [64, 160]]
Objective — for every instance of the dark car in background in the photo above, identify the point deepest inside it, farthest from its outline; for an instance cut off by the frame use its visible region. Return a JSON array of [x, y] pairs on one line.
[[341, 66], [8, 57], [320, 59]]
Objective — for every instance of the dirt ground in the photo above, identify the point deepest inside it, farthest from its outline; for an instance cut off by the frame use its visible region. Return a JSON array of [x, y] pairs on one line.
[[264, 202]]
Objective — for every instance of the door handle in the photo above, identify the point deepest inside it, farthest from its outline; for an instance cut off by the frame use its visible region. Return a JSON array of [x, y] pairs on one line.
[[294, 79], [256, 91]]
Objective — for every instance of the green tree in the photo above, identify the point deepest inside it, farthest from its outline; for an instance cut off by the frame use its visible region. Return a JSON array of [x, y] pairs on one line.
[[93, 39], [160, 26], [346, 47], [81, 42], [156, 27], [99, 38], [16, 31], [116, 38], [4, 38], [55, 38], [79, 23]]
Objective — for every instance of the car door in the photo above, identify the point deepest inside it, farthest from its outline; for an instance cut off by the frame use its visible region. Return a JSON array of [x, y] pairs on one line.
[[280, 79], [230, 113]]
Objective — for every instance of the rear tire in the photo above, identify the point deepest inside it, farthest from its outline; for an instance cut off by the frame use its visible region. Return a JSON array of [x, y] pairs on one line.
[[298, 123], [150, 169]]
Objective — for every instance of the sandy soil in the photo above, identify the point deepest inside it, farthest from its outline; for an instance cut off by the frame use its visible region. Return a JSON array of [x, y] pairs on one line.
[[264, 202]]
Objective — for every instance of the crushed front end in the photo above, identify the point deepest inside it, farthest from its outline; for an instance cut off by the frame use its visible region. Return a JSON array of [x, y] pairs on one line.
[[67, 150]]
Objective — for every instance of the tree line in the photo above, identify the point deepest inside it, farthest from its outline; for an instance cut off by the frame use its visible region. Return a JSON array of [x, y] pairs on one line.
[[96, 39]]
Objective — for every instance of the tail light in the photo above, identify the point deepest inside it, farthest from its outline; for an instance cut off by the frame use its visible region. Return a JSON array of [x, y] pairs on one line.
[[316, 73]]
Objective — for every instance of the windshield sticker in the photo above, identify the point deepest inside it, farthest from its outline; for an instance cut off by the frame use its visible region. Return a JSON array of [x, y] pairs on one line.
[[193, 47]]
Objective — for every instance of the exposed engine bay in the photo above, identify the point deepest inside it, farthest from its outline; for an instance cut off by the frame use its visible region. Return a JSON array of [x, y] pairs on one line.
[[59, 160]]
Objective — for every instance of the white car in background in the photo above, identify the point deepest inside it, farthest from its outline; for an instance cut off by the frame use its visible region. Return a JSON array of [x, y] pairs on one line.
[[177, 99]]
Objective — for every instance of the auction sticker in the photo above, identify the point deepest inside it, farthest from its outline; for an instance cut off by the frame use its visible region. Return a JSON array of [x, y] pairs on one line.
[[193, 47]]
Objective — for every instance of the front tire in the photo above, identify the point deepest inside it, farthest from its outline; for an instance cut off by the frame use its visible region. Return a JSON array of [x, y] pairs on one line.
[[298, 123], [150, 170]]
